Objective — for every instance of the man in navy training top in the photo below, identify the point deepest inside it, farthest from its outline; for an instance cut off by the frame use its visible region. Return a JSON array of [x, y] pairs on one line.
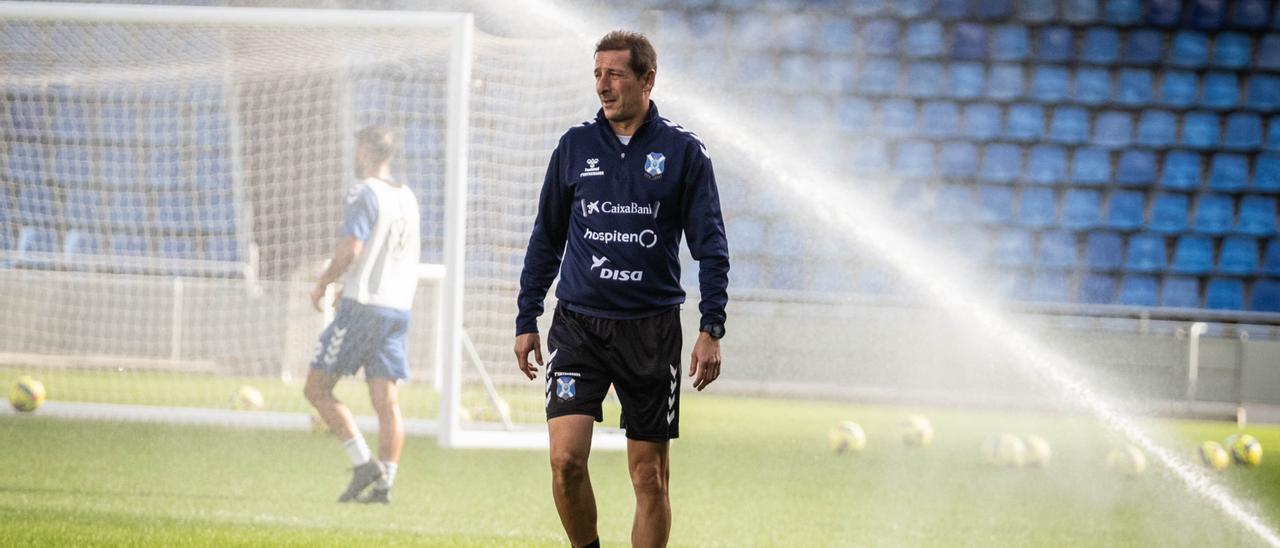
[[619, 192]]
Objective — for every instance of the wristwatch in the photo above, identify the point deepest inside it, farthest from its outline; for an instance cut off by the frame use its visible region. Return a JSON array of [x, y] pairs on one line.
[[715, 330]]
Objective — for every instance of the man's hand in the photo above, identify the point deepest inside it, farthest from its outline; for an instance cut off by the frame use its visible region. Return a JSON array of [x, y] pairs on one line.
[[704, 363], [526, 343], [317, 293]]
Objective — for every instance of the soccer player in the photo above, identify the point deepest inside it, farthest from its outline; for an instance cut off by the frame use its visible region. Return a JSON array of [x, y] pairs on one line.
[[619, 193], [378, 252]]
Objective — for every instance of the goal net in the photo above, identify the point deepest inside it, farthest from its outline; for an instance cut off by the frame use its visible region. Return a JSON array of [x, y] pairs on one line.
[[174, 181]]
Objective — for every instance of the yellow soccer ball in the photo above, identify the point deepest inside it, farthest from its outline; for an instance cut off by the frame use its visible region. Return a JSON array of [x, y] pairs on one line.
[[1004, 450], [1038, 452], [847, 437], [918, 432], [1246, 450], [1213, 456], [247, 398], [26, 394], [1129, 461]]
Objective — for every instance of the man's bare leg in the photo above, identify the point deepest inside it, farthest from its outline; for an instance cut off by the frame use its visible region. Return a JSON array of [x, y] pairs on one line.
[[570, 481], [650, 465]]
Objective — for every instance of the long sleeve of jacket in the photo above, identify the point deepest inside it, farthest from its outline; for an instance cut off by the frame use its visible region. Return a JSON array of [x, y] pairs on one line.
[[546, 245], [704, 232]]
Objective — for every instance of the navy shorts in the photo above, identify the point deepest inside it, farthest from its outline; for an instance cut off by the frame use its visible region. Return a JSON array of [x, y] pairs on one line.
[[372, 337]]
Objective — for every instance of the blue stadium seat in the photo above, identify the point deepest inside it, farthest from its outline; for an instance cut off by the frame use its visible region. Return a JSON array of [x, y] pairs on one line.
[[924, 39], [1244, 131], [993, 9], [160, 124], [950, 9], [1257, 216], [925, 79], [792, 31], [1091, 166], [941, 119], [1168, 213], [127, 209], [35, 239], [1136, 87], [26, 164], [1006, 82], [752, 29], [915, 159], [995, 204], [910, 197], [163, 169], [1049, 84], [878, 76], [837, 35], [1181, 170], [81, 242], [1214, 214], [1268, 52], [119, 167], [966, 80], [1180, 292], [1224, 294], [1231, 50], [858, 7], [1092, 85], [1123, 12], [174, 212], [1264, 92], [213, 171], [1228, 172], [1038, 208], [1050, 287], [878, 37], [128, 244], [118, 122], [854, 114], [1010, 43], [1113, 129], [795, 72], [1080, 11], [1025, 122], [176, 247], [1178, 89], [1046, 165], [1101, 45], [1103, 251], [1192, 255], [1266, 173], [1200, 129], [1266, 296], [954, 204], [1221, 90], [809, 111], [1144, 48], [1189, 49], [1037, 11], [70, 121], [211, 128], [1125, 210], [1081, 209], [1208, 14], [1054, 44], [1146, 253], [871, 156], [747, 233], [37, 205], [1001, 163], [1239, 256], [1012, 249], [1250, 14], [1097, 289], [1271, 258], [981, 120], [83, 207], [969, 42], [959, 160], [1070, 125], [1058, 250], [26, 117], [1165, 13], [1137, 290], [897, 117], [908, 9], [755, 71]]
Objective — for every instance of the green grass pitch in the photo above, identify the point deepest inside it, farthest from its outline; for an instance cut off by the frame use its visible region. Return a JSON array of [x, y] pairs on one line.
[[746, 472]]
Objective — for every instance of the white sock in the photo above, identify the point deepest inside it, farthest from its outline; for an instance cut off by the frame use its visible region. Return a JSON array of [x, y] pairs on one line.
[[357, 449], [389, 477]]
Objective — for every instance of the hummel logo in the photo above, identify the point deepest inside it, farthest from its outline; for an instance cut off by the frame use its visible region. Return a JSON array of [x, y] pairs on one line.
[[592, 163], [597, 262]]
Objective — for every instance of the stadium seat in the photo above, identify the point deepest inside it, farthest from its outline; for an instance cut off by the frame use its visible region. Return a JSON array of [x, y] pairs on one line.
[[966, 80], [1013, 249], [1080, 11], [1266, 173], [809, 111], [1214, 214], [1103, 251], [1145, 47], [163, 169], [1221, 90], [1178, 89], [1164, 13], [1146, 253], [755, 71], [1192, 255], [940, 119], [1231, 50], [1157, 128], [950, 9], [176, 247], [878, 76], [1092, 85], [1271, 258], [1244, 131], [1200, 130], [1189, 49], [1049, 84], [37, 205], [1123, 12], [854, 114], [995, 204], [1264, 92], [1180, 292], [1010, 43], [1137, 290], [915, 159], [897, 117], [1266, 296], [118, 122], [129, 244], [1001, 163], [1268, 52], [924, 39], [213, 172], [795, 72], [127, 209], [26, 117], [26, 164], [1125, 210], [1081, 209], [1097, 289], [1070, 125], [1136, 168], [1181, 170], [35, 239], [953, 204], [1228, 172], [925, 79], [82, 242], [1058, 250], [1250, 14], [1037, 208], [1046, 165], [1091, 166], [160, 124], [871, 156], [1005, 82], [1208, 14], [878, 37], [83, 208], [1136, 88], [993, 9], [1050, 287], [1025, 122], [1101, 45], [969, 42], [1054, 44], [1113, 129], [1037, 11], [1224, 294], [174, 212], [959, 160], [120, 167], [1239, 256], [1169, 213], [837, 35], [70, 121], [1257, 216], [791, 31]]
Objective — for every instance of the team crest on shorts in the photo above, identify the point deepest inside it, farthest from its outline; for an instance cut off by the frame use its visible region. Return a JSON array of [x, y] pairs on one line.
[[654, 164], [566, 388]]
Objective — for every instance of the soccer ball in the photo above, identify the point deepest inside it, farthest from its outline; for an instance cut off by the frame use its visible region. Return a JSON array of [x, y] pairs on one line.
[[1245, 450], [1213, 455], [26, 394], [1038, 452], [1129, 461], [847, 437], [1004, 450], [247, 398], [918, 432]]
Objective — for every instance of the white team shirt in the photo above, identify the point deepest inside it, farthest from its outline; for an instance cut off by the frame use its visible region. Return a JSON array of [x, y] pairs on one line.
[[385, 217]]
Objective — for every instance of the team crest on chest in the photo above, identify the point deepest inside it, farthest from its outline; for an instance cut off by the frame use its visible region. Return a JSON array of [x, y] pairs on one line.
[[654, 164]]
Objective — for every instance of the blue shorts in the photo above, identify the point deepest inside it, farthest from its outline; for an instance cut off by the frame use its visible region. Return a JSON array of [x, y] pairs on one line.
[[372, 337]]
